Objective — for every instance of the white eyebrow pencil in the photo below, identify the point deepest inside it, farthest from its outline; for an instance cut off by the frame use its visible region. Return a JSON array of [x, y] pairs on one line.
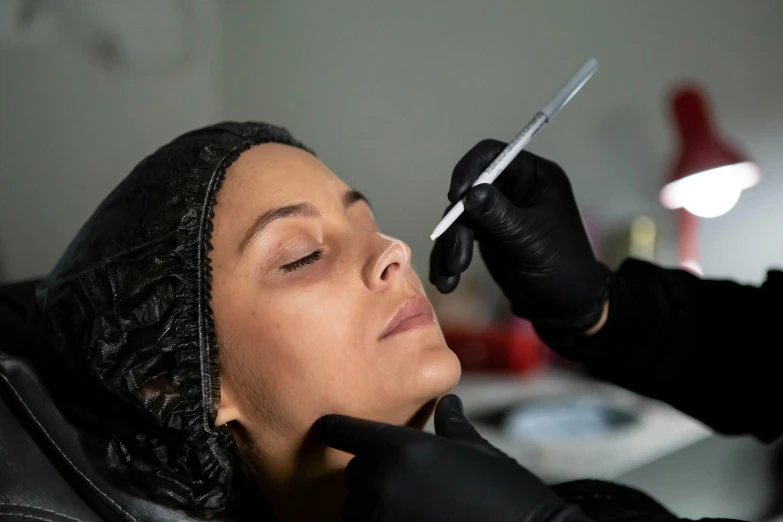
[[524, 137]]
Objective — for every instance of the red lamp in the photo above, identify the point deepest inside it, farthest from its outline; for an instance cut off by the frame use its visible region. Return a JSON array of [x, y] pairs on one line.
[[708, 174]]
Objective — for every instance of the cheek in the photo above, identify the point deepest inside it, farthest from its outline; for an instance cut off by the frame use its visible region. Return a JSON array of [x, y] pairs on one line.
[[304, 352]]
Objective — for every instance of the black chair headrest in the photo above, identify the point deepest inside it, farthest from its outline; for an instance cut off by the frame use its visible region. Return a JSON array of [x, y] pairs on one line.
[[44, 472]]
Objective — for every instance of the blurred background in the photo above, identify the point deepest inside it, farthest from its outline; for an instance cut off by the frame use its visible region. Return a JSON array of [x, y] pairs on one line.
[[391, 95]]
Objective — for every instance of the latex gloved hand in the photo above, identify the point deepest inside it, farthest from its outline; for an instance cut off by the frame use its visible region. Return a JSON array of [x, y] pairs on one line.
[[531, 236], [400, 474]]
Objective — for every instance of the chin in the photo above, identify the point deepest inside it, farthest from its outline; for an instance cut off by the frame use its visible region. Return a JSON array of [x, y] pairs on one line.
[[436, 380], [439, 372]]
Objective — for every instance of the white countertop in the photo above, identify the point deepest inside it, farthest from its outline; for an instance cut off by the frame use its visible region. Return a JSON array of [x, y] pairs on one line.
[[659, 430]]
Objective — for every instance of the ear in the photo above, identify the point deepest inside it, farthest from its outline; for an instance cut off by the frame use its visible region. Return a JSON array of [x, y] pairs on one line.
[[229, 407]]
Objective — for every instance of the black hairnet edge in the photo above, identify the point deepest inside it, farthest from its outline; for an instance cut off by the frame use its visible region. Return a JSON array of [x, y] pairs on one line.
[[207, 490]]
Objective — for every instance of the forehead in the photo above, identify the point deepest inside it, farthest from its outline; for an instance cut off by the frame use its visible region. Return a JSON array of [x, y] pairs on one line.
[[273, 174]]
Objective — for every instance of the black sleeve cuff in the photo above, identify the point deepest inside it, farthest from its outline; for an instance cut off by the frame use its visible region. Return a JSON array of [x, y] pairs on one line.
[[622, 316]]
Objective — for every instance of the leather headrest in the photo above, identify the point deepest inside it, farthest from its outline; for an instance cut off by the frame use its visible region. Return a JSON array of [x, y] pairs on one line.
[[22, 388]]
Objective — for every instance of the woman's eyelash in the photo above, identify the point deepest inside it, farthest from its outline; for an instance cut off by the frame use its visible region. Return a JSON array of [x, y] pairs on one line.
[[300, 263]]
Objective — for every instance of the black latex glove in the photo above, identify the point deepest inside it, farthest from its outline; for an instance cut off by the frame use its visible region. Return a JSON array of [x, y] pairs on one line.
[[400, 474], [531, 236]]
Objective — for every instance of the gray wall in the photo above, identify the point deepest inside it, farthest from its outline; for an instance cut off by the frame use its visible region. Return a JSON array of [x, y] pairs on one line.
[[70, 129], [391, 94]]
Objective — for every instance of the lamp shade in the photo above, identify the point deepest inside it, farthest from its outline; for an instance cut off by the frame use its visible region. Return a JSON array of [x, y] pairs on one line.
[[708, 173]]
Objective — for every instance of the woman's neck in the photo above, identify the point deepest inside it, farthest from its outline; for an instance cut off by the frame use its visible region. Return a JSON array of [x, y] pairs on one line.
[[302, 479], [318, 499], [299, 478]]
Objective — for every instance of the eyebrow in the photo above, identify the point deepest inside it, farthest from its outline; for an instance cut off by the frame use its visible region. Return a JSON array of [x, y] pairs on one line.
[[307, 210], [352, 196]]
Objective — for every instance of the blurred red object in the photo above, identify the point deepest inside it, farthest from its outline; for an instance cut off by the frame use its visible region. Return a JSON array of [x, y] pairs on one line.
[[511, 347], [708, 173]]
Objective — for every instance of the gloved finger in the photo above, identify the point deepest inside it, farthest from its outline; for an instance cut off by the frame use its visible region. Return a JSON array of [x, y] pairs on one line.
[[445, 281], [458, 248], [495, 214], [521, 181], [360, 471], [471, 166], [350, 434], [451, 255], [357, 508], [450, 421]]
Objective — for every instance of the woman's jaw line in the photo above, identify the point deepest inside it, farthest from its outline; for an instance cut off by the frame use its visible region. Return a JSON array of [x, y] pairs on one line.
[[420, 418]]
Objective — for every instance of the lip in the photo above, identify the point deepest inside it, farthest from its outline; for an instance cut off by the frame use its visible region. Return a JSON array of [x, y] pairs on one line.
[[414, 313]]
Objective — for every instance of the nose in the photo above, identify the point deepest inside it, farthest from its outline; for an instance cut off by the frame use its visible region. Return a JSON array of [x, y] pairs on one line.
[[390, 261]]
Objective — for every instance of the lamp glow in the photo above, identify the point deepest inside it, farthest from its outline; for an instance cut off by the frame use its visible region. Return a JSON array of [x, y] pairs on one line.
[[713, 192]]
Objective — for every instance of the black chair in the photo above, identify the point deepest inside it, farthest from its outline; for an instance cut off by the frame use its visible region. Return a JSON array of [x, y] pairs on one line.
[[44, 473]]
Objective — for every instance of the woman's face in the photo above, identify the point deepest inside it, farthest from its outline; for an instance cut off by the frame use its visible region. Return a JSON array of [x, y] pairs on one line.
[[306, 295]]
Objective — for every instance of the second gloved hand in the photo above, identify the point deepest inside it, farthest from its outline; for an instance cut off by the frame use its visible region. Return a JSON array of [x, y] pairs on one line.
[[531, 236], [400, 474]]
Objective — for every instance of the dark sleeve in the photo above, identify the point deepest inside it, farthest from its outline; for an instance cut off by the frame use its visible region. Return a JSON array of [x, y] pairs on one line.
[[709, 348]]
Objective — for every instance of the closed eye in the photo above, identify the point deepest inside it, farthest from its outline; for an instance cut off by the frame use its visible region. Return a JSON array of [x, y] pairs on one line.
[[303, 262]]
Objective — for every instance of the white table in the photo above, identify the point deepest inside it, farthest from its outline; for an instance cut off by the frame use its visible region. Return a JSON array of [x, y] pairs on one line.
[[659, 431]]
